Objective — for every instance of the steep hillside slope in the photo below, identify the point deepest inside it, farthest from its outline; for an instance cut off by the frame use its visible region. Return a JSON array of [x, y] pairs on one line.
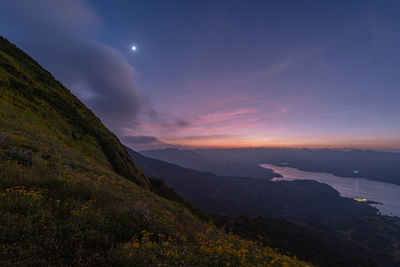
[[70, 194], [41, 106]]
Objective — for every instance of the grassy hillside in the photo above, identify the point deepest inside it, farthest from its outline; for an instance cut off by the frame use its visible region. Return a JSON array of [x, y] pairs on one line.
[[37, 112], [70, 194]]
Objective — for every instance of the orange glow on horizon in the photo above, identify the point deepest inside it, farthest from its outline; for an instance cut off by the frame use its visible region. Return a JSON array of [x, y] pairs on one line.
[[226, 142]]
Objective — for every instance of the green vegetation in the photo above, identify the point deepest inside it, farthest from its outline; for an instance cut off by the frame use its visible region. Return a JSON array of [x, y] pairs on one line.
[[70, 194], [369, 240], [38, 108], [158, 187], [379, 235]]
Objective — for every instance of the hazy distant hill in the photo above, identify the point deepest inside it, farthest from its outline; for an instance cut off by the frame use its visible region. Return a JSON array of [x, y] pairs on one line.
[[197, 160], [70, 195], [380, 166], [232, 195]]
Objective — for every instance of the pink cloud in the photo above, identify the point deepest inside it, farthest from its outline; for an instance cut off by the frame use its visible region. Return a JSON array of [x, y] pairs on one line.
[[217, 116]]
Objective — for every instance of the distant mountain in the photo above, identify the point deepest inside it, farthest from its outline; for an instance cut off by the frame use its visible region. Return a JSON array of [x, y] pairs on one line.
[[379, 166], [197, 160], [232, 195]]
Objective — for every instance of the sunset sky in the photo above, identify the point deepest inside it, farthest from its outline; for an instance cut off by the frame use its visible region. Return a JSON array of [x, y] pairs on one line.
[[224, 73]]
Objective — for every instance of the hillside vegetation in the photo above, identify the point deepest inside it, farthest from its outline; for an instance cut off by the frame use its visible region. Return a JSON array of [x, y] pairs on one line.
[[70, 194], [344, 241]]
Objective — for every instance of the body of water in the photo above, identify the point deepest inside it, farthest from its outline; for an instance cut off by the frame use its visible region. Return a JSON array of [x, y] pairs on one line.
[[385, 193]]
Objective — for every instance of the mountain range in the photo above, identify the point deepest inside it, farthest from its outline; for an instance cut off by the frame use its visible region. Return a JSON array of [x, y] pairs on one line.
[[373, 165]]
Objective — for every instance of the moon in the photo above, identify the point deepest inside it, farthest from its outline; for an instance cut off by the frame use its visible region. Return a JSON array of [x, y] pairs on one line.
[[133, 48]]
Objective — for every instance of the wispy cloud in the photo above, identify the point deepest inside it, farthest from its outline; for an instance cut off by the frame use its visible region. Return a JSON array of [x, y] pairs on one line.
[[218, 116], [60, 34]]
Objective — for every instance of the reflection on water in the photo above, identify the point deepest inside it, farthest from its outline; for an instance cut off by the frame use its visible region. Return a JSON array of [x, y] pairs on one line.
[[385, 193]]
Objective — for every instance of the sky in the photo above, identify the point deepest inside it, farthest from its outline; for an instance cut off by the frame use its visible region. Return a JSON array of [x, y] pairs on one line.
[[223, 73]]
